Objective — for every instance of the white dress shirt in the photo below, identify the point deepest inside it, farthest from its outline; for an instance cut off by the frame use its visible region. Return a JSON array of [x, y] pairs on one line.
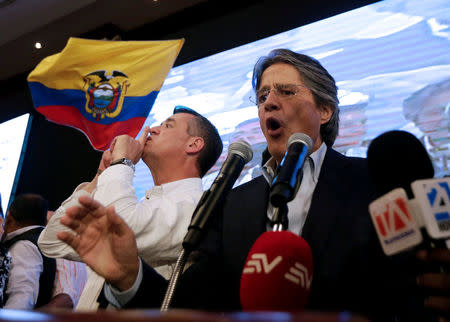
[[26, 267], [159, 221]]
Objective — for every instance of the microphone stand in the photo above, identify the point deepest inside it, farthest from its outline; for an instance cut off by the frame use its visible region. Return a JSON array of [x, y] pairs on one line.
[[280, 218], [179, 268]]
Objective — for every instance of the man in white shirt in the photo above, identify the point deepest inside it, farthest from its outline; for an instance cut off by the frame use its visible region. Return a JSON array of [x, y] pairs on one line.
[[31, 275], [178, 153]]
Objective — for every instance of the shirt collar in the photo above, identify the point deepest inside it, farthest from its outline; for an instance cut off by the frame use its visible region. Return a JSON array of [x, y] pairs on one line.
[[315, 159], [179, 185], [20, 231]]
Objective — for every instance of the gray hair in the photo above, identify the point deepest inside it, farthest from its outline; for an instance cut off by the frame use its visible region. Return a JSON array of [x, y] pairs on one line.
[[315, 77]]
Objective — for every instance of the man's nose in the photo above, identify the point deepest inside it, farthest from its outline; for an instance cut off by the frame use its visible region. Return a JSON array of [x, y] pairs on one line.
[[154, 130], [272, 101]]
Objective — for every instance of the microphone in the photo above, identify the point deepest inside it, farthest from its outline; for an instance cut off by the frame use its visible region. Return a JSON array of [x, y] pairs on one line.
[[396, 159], [239, 153], [286, 183], [277, 274], [409, 199]]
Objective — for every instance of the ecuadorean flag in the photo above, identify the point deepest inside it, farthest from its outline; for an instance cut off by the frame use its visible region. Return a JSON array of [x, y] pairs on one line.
[[103, 88]]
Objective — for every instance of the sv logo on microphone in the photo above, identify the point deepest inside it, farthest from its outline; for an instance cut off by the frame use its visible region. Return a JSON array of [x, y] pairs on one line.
[[298, 274], [259, 261]]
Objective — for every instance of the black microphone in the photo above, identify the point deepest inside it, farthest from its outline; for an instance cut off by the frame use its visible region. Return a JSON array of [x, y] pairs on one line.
[[239, 153], [286, 183], [395, 159]]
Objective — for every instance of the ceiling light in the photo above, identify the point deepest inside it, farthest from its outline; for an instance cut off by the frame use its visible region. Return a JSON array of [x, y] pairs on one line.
[[38, 45]]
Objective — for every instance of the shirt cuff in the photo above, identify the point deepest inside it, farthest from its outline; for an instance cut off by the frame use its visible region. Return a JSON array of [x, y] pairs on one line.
[[119, 299], [116, 172]]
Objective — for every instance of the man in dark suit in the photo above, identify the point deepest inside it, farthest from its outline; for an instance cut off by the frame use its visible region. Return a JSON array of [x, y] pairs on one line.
[[294, 93]]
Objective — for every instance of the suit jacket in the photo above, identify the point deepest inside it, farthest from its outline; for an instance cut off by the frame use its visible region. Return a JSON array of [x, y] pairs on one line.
[[350, 270]]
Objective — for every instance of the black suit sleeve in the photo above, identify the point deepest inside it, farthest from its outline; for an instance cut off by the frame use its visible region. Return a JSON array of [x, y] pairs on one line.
[[151, 291], [198, 288]]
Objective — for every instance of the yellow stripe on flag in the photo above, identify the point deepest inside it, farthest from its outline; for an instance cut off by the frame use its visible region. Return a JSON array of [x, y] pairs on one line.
[[146, 63]]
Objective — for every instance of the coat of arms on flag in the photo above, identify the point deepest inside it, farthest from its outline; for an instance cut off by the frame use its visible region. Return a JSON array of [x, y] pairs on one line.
[[103, 88]]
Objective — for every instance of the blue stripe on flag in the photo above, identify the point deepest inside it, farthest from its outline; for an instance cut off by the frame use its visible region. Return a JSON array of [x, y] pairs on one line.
[[134, 106]]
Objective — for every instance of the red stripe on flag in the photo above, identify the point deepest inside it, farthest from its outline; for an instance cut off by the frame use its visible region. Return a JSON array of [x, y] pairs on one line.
[[100, 135]]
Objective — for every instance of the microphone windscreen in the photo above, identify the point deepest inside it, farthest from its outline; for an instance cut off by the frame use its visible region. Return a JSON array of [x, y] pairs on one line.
[[277, 274], [303, 138], [241, 148], [396, 159]]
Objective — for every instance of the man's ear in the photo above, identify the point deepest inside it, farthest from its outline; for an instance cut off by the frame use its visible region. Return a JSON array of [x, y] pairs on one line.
[[9, 223], [325, 114], [195, 145]]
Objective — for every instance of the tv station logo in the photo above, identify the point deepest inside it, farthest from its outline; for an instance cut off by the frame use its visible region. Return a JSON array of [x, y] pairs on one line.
[[433, 198], [394, 222], [260, 263], [298, 274]]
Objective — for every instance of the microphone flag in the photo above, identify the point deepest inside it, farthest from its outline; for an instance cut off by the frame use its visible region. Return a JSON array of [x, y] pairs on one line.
[[102, 88], [433, 200], [394, 222]]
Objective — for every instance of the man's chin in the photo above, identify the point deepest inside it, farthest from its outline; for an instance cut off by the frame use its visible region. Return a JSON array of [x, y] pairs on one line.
[[145, 157], [277, 140], [277, 150]]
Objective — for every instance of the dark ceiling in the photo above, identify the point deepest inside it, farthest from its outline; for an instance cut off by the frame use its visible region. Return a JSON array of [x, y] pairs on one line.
[[51, 22]]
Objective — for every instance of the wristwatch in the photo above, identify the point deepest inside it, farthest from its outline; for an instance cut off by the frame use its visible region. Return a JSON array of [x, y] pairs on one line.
[[125, 161]]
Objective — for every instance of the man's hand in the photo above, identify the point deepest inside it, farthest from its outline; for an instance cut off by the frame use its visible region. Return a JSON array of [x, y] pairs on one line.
[[105, 161], [127, 147], [436, 284], [103, 240], [60, 301]]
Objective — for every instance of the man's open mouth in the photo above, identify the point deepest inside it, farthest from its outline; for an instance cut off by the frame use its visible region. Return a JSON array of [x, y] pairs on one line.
[[273, 126]]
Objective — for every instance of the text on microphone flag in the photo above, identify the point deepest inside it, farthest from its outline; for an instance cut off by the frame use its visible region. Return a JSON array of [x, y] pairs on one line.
[[277, 274], [259, 261], [433, 198], [394, 222], [102, 88], [299, 275], [394, 218]]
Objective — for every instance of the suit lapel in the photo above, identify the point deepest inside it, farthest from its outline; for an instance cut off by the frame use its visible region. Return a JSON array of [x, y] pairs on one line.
[[256, 222], [245, 217], [326, 200]]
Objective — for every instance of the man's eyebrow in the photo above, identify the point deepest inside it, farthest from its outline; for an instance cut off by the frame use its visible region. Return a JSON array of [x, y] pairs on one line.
[[276, 85], [267, 87], [263, 88], [170, 119]]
